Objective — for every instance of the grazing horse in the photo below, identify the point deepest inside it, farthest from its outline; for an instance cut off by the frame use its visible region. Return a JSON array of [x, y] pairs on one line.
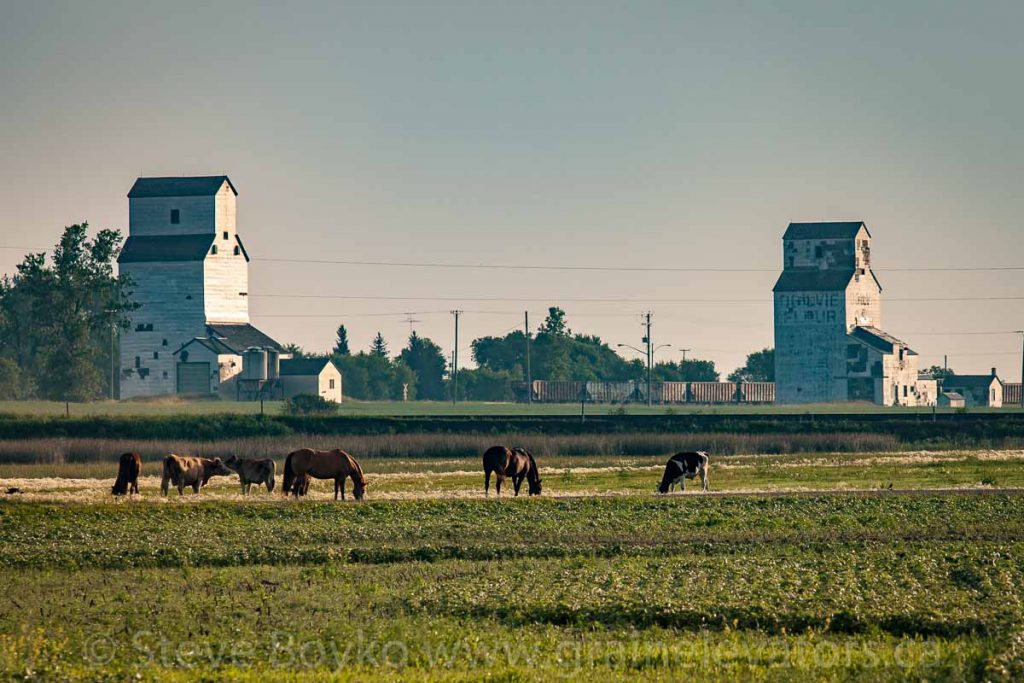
[[302, 464], [194, 472], [683, 466], [516, 463], [252, 471], [129, 467]]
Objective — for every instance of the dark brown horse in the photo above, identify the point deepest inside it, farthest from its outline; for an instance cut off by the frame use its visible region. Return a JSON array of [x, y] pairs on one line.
[[302, 464], [129, 468], [515, 463]]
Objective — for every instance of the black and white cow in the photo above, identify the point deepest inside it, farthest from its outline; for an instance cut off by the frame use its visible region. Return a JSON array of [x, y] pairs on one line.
[[683, 466]]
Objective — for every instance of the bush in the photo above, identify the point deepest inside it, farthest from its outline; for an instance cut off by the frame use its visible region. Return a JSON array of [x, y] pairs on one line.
[[309, 404]]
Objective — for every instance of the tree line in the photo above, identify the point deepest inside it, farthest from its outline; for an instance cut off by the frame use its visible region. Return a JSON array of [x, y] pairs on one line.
[[421, 371], [59, 317]]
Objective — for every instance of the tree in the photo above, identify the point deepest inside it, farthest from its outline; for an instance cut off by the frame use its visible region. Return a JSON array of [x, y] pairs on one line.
[[56, 317], [341, 343], [939, 372], [10, 380], [760, 367], [370, 377], [690, 370], [555, 324], [295, 350], [426, 360], [379, 347], [484, 384], [555, 354]]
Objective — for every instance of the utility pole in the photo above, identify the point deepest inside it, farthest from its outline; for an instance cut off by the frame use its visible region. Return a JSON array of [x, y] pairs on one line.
[[412, 321], [529, 373], [647, 318], [684, 355], [1021, 333], [455, 359]]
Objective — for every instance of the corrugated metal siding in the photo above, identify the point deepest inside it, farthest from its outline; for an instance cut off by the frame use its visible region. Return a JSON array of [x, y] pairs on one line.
[[557, 392], [757, 392], [673, 392], [610, 392], [713, 392], [1011, 393]]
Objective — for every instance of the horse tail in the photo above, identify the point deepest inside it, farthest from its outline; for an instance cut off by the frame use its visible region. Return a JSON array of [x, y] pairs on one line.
[[273, 475], [166, 478], [289, 475]]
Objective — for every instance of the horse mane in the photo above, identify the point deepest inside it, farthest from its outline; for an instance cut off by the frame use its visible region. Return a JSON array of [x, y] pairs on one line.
[[354, 466]]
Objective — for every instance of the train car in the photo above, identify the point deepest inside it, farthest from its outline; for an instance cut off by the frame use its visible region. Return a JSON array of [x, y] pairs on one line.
[[757, 392], [672, 392], [712, 392]]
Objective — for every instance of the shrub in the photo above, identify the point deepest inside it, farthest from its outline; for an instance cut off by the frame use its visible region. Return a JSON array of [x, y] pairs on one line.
[[309, 404]]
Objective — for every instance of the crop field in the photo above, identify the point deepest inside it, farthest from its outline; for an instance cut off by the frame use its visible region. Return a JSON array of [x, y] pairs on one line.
[[809, 566]]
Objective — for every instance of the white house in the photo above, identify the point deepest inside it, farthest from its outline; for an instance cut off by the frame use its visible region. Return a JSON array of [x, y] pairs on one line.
[[190, 273], [317, 376], [977, 390]]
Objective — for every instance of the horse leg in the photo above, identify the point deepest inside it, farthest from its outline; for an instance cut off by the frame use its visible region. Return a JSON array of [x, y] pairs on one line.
[[517, 482], [487, 483], [342, 480], [704, 479], [497, 484]]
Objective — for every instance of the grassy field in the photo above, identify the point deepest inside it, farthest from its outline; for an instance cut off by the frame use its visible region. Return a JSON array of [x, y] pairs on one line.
[[807, 588], [763, 579], [417, 408]]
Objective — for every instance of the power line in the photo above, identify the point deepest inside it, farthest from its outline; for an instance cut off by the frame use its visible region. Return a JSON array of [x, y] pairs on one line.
[[630, 269], [375, 297], [602, 268]]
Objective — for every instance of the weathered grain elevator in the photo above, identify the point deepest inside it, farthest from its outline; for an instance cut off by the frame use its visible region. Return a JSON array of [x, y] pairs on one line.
[[829, 345], [191, 278]]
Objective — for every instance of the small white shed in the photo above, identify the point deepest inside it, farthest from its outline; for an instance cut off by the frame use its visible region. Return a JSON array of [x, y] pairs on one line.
[[317, 376]]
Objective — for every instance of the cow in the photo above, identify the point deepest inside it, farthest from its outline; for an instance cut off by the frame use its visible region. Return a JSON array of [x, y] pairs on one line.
[[253, 472], [187, 471], [683, 466], [129, 468]]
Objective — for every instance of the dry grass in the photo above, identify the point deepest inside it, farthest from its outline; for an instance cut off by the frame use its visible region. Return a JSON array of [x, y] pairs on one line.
[[57, 450]]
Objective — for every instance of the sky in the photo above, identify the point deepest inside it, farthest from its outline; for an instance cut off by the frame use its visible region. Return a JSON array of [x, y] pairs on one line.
[[631, 135]]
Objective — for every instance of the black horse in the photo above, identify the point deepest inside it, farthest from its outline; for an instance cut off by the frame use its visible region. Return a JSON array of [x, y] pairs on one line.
[[515, 463]]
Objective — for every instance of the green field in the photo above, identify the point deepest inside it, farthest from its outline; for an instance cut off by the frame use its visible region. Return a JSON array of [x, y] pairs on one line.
[[598, 579], [415, 408], [814, 588]]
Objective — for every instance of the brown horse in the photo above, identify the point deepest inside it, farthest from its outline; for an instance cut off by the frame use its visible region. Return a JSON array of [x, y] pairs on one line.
[[129, 468], [516, 463], [302, 464]]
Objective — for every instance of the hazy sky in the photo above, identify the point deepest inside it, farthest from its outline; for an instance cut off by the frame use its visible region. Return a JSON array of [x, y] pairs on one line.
[[574, 133]]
